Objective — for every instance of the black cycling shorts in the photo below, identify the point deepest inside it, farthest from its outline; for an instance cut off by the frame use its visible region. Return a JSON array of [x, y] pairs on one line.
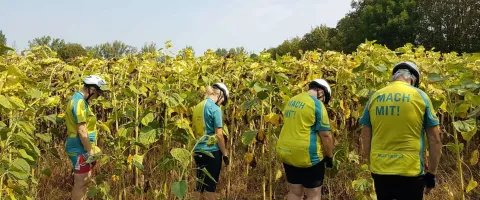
[[398, 187], [310, 177], [213, 166]]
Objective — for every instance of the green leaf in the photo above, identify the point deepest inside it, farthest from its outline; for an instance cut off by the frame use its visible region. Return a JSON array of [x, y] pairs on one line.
[[361, 67], [474, 157], [138, 165], [361, 185], [147, 119], [471, 185], [248, 136], [24, 154], [262, 95], [45, 137], [26, 126], [474, 99], [47, 172], [4, 102], [454, 148], [17, 102], [436, 78], [134, 89], [147, 136], [204, 170], [34, 93], [363, 93], [20, 169], [257, 87], [469, 135], [249, 104], [464, 126], [93, 158], [179, 189], [52, 118], [103, 127], [209, 154], [92, 192], [285, 89], [181, 155], [380, 68]]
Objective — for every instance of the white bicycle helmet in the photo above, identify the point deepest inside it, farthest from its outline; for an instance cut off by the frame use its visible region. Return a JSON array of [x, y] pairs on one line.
[[321, 83], [412, 67], [97, 82], [224, 90]]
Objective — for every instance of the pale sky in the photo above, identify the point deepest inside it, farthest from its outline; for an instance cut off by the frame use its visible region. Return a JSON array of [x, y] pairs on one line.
[[253, 24]]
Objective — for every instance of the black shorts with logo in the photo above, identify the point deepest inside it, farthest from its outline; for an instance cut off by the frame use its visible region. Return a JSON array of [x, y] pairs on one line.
[[398, 187], [213, 166], [310, 177]]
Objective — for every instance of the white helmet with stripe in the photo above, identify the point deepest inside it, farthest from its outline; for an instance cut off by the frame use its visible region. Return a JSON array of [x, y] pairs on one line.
[[224, 90], [323, 84], [97, 82]]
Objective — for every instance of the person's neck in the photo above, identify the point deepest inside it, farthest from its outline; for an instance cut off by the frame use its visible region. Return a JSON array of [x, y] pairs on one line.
[[84, 92], [214, 98], [313, 93], [403, 80]]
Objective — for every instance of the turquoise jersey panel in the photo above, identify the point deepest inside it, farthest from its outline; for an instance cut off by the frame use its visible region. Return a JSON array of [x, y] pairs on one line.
[[212, 119]]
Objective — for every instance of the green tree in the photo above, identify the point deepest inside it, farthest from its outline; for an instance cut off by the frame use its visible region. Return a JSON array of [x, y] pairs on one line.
[[3, 39], [390, 22], [221, 52], [108, 50], [54, 43], [3, 42], [449, 25], [149, 48], [71, 51]]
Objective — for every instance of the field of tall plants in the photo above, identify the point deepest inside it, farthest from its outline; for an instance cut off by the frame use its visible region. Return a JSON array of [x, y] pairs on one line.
[[146, 132]]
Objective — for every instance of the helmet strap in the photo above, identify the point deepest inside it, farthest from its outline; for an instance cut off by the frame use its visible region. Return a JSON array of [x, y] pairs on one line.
[[220, 97]]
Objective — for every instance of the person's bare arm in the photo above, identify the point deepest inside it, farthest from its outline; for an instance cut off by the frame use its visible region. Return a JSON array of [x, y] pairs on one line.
[[434, 148], [366, 142], [327, 143], [221, 141], [83, 134]]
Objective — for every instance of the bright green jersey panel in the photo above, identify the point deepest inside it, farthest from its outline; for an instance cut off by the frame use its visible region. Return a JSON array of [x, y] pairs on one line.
[[78, 112], [299, 144], [398, 115], [207, 116]]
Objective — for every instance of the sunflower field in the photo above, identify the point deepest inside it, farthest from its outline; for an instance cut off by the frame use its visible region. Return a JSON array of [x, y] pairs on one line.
[[145, 129]]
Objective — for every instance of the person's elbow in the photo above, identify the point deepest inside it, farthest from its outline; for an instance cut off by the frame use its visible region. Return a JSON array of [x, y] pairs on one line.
[[366, 132], [325, 134], [433, 135]]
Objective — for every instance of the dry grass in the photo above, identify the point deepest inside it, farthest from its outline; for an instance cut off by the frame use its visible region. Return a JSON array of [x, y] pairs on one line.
[[242, 187]]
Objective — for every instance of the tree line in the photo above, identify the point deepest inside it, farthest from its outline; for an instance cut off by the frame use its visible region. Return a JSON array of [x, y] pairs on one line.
[[444, 25]]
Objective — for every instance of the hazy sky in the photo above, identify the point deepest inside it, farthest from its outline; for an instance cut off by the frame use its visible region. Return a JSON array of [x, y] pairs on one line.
[[253, 24]]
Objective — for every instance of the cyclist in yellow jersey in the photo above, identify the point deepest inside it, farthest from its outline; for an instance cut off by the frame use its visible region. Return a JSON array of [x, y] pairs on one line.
[[207, 122], [82, 133], [305, 145], [394, 124]]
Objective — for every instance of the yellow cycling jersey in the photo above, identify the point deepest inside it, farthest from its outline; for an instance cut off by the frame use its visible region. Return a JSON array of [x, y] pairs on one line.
[[207, 116], [398, 115], [78, 112], [299, 144]]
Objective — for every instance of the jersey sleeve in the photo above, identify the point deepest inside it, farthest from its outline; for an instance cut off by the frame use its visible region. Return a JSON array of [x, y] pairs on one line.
[[365, 119], [322, 123], [79, 112], [430, 117], [217, 118]]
